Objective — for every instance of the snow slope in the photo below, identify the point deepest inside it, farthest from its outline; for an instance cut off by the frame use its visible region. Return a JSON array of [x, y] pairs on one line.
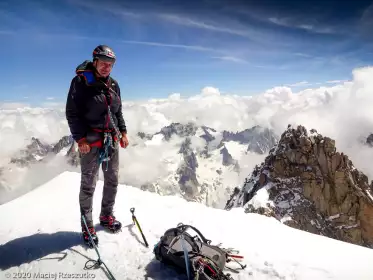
[[40, 233]]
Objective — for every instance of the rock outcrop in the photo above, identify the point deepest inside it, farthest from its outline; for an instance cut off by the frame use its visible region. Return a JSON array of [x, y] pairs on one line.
[[34, 152], [259, 140], [369, 140], [187, 171], [144, 135], [307, 184], [38, 151], [182, 130], [64, 142], [73, 155], [228, 159]]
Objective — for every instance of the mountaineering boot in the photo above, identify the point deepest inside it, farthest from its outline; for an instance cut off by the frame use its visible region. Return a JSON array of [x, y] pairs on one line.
[[109, 222], [87, 239]]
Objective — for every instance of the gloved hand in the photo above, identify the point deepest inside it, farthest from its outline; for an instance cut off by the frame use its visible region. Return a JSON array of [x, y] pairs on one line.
[[124, 140], [83, 146]]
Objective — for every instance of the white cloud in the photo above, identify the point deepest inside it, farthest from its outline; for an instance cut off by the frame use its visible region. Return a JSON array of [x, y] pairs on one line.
[[13, 105], [174, 96], [341, 111], [209, 91], [366, 21], [295, 23], [336, 81], [159, 44], [50, 104], [230, 58], [113, 8], [198, 23], [303, 83]]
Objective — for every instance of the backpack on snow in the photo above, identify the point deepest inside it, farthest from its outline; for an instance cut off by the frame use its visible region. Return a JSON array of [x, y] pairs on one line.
[[194, 256]]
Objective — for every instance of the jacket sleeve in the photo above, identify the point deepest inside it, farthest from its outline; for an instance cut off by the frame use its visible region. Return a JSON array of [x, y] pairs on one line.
[[74, 111], [119, 114]]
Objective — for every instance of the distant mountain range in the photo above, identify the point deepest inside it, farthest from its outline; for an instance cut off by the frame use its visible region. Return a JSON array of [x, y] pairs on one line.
[[199, 173]]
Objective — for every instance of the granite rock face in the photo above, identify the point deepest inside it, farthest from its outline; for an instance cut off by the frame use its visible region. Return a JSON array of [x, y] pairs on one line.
[[182, 130], [307, 184], [187, 171], [259, 140]]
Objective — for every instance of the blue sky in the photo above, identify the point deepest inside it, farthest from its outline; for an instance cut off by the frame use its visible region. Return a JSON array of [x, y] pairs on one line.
[[163, 47]]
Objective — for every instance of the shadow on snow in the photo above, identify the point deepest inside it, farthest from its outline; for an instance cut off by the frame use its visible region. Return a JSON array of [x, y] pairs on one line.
[[40, 246], [35, 247], [156, 270]]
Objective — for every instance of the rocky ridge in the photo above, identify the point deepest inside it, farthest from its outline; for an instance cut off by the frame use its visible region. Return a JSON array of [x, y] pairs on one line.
[[307, 184]]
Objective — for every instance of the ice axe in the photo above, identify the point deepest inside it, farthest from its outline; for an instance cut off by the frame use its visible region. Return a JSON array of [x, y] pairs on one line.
[[134, 219]]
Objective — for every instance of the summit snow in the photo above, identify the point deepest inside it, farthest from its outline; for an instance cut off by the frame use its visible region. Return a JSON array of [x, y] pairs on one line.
[[50, 242]]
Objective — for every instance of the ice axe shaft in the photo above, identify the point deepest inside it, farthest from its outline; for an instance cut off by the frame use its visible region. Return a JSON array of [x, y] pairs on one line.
[[135, 221]]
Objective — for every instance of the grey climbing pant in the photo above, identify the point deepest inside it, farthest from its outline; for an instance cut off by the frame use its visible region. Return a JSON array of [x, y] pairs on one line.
[[89, 174]]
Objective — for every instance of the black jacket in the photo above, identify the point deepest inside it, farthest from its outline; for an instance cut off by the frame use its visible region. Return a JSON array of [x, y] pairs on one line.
[[86, 105]]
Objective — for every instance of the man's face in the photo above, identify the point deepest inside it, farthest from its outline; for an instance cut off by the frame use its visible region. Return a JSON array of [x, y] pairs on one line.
[[103, 67]]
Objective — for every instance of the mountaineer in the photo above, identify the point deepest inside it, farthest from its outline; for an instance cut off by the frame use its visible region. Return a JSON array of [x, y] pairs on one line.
[[94, 115]]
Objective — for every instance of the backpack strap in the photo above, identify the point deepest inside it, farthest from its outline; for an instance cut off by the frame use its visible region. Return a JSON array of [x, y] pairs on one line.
[[85, 70], [183, 228], [88, 76]]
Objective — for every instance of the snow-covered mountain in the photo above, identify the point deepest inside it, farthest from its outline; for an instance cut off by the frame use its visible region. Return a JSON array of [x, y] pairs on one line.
[[202, 164], [206, 160], [38, 151], [49, 244], [307, 184], [36, 163]]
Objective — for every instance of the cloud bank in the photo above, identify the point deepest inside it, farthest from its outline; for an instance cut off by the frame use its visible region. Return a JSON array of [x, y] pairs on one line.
[[341, 111]]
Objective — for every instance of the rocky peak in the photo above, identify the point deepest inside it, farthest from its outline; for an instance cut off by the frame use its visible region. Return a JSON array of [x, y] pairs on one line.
[[207, 136], [187, 170], [64, 142], [182, 130], [73, 155], [369, 140], [143, 135], [307, 184], [259, 140], [38, 148], [228, 159], [37, 151], [33, 152]]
